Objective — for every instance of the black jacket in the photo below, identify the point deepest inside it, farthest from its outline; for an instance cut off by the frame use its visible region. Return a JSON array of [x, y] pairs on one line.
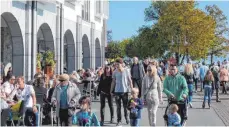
[[104, 84], [189, 78]]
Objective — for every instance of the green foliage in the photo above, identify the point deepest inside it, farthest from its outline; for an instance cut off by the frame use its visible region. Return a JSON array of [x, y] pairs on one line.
[[38, 63], [113, 50], [49, 58]]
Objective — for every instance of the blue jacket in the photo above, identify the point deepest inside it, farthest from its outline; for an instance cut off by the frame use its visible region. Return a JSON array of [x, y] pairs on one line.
[[82, 118], [139, 106]]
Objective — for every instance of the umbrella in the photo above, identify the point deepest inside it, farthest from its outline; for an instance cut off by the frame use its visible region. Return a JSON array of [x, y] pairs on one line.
[[7, 68]]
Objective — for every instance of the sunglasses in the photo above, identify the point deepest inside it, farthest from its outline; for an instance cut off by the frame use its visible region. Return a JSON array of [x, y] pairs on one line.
[[61, 80], [149, 70]]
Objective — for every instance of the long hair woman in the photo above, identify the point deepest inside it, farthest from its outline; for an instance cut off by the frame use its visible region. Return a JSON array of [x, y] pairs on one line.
[[208, 82], [189, 76], [104, 92], [152, 92]]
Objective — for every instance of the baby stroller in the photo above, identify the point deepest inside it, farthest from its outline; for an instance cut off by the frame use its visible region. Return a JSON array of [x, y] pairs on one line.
[[182, 113]]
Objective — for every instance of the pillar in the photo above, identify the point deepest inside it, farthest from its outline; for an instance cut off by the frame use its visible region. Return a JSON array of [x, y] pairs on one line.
[[92, 46], [78, 50]]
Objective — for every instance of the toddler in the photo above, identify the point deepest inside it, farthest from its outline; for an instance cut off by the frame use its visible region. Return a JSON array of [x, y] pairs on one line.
[[174, 118], [85, 117], [135, 106]]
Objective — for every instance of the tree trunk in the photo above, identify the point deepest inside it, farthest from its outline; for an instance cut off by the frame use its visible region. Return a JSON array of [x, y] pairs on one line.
[[212, 58]]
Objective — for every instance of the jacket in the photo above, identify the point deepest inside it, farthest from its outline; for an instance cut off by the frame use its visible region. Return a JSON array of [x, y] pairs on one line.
[[73, 93], [140, 70], [223, 74], [175, 85], [189, 78], [139, 107], [104, 85]]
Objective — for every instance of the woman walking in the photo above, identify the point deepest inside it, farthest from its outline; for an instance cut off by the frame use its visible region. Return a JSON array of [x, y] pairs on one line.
[[189, 76], [104, 92], [152, 92], [208, 82]]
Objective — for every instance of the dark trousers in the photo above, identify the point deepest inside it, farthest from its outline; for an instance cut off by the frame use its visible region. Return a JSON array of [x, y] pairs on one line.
[[103, 102], [65, 119], [182, 111], [137, 83], [223, 83], [196, 83], [30, 117], [124, 98], [4, 116]]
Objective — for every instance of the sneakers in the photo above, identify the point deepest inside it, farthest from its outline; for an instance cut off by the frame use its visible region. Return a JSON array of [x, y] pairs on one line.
[[101, 123], [119, 123], [203, 105], [112, 120], [218, 100], [127, 121], [190, 104]]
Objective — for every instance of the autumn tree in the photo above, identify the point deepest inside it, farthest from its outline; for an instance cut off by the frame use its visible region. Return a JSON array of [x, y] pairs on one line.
[[113, 50], [189, 28], [221, 44]]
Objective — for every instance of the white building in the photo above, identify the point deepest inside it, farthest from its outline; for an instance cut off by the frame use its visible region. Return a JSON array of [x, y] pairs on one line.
[[72, 28]]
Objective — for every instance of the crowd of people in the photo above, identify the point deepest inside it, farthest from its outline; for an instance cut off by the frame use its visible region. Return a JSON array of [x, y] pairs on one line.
[[134, 87]]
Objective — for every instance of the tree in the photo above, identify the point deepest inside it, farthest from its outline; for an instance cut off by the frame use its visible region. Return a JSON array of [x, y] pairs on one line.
[[220, 46], [181, 22], [113, 50]]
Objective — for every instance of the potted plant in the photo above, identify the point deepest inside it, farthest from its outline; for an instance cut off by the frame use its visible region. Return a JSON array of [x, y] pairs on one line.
[[38, 62], [50, 62]]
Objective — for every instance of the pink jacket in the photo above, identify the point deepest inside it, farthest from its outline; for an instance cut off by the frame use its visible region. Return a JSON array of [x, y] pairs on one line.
[[223, 75]]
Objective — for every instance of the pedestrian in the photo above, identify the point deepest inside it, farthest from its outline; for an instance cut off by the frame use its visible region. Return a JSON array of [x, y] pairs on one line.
[[174, 118], [85, 117], [145, 64], [216, 84], [152, 92], [137, 74], [189, 76], [208, 82], [104, 92], [8, 86], [203, 71], [65, 96], [224, 77], [121, 84], [26, 94], [196, 76], [135, 106], [175, 86]]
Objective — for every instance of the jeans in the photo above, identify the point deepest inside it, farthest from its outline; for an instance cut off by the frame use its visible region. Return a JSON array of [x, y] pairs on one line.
[[207, 94], [103, 102], [124, 98], [4, 116], [137, 83], [196, 83], [31, 118], [134, 122], [190, 92], [65, 119]]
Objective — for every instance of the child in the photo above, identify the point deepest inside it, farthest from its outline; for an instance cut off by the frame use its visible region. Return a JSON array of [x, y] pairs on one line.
[[174, 118], [85, 117], [135, 105]]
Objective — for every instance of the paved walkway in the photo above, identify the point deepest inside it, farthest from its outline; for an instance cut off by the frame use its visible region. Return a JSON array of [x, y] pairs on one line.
[[218, 115]]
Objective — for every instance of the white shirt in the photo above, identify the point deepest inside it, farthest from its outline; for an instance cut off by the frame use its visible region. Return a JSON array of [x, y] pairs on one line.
[[26, 95], [7, 88]]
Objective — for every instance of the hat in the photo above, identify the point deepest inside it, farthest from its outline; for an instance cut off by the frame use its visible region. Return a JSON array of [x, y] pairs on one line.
[[64, 77]]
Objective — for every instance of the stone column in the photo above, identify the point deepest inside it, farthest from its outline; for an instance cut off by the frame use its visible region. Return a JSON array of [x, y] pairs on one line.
[[28, 41], [59, 39], [92, 46], [79, 56], [34, 38], [57, 53], [62, 39], [104, 40]]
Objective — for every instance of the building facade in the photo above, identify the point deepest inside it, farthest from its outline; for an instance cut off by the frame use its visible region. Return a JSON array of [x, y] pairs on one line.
[[75, 30]]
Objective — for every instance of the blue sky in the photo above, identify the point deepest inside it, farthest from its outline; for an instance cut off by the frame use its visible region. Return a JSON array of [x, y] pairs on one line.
[[127, 16]]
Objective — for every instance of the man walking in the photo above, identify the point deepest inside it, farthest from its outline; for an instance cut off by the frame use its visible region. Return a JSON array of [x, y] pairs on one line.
[[137, 73], [120, 86], [203, 72]]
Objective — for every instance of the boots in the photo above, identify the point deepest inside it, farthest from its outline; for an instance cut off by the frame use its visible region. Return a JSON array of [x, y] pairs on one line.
[[203, 105], [209, 105], [112, 120]]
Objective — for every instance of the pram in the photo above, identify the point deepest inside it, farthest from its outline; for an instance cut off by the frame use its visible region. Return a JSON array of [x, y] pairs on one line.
[[183, 115]]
